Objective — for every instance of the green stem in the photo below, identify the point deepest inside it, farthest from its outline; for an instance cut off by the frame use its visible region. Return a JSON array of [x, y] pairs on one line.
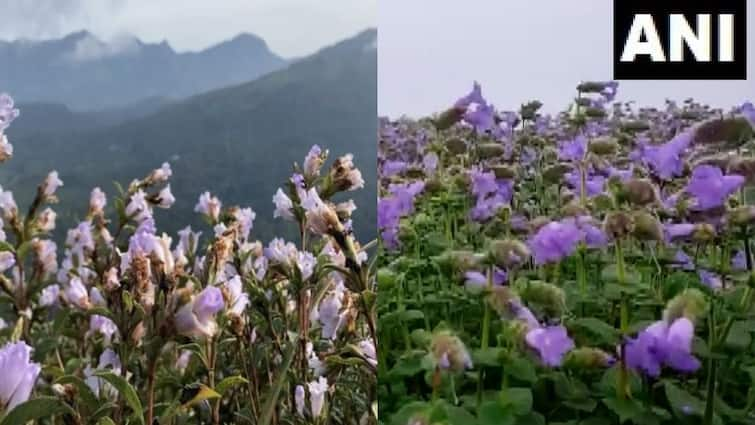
[[623, 390], [484, 339], [712, 367], [582, 276]]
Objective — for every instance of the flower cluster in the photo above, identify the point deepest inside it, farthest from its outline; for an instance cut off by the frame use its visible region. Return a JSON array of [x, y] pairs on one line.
[[122, 320], [543, 249]]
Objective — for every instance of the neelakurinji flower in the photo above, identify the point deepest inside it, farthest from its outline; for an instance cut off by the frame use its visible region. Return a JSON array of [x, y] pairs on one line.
[[197, 317], [551, 344], [317, 391], [18, 373], [209, 206], [663, 344], [710, 186], [573, 150], [555, 241], [283, 205], [665, 160]]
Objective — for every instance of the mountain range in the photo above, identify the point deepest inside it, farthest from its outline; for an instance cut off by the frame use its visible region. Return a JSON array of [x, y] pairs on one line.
[[238, 141], [86, 73]]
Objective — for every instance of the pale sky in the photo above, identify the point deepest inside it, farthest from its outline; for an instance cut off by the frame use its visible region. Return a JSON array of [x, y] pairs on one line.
[[291, 27], [430, 52]]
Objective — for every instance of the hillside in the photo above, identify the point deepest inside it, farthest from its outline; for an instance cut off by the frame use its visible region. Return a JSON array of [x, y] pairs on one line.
[[237, 142]]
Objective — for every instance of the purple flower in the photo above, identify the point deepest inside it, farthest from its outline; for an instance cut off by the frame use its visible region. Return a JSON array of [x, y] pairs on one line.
[[477, 280], [748, 110], [683, 260], [7, 111], [660, 344], [710, 187], [481, 117], [554, 241], [665, 160], [710, 279], [573, 150], [491, 193], [678, 231], [196, 318], [19, 374], [551, 343], [474, 97], [594, 184], [391, 168], [739, 262]]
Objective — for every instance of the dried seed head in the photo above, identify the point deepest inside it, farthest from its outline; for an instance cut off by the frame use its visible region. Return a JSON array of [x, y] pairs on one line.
[[741, 216], [640, 192], [456, 146], [588, 358], [504, 171], [690, 303], [704, 232], [550, 299], [647, 227], [604, 146], [618, 225], [509, 253], [490, 150], [449, 352], [448, 118]]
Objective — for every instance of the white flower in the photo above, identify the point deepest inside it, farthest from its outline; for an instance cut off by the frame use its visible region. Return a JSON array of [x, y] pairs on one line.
[[138, 207], [317, 390], [18, 374], [3, 325], [220, 229], [6, 149], [97, 201], [299, 398], [7, 260], [283, 205], [46, 252], [76, 293], [46, 220], [51, 184], [183, 360], [321, 217], [306, 264], [313, 161], [330, 315], [161, 174], [368, 349], [101, 388], [8, 204], [49, 296], [102, 325], [245, 217], [209, 206], [166, 198], [238, 299]]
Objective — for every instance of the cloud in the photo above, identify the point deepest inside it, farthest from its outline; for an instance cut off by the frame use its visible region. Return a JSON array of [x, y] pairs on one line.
[[35, 19], [90, 47]]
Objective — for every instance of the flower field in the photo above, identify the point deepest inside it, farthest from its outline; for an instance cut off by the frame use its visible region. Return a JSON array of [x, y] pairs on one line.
[[589, 267], [122, 325]]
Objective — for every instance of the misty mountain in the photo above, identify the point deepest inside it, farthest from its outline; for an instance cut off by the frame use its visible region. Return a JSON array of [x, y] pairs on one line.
[[86, 73], [238, 142]]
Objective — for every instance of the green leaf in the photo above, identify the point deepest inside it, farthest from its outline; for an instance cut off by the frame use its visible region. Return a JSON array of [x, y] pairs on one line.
[[459, 416], [37, 408], [126, 391], [519, 399], [105, 421], [229, 382], [408, 412], [491, 357], [493, 413], [625, 409], [520, 368], [682, 402], [598, 331], [409, 315], [272, 396]]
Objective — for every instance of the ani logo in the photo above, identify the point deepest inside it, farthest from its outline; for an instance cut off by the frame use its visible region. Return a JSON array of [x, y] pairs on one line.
[[680, 40]]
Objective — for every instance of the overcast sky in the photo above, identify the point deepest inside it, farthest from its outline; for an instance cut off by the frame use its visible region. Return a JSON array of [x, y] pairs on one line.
[[291, 27], [430, 52]]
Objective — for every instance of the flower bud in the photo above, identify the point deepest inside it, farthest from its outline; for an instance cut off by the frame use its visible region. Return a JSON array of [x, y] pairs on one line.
[[640, 192], [635, 126], [741, 216], [456, 146], [588, 358], [732, 132], [550, 298], [603, 146], [618, 225], [690, 303], [647, 227], [744, 167], [459, 261], [504, 171], [449, 352], [448, 118], [490, 150], [703, 232], [509, 253], [555, 173]]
